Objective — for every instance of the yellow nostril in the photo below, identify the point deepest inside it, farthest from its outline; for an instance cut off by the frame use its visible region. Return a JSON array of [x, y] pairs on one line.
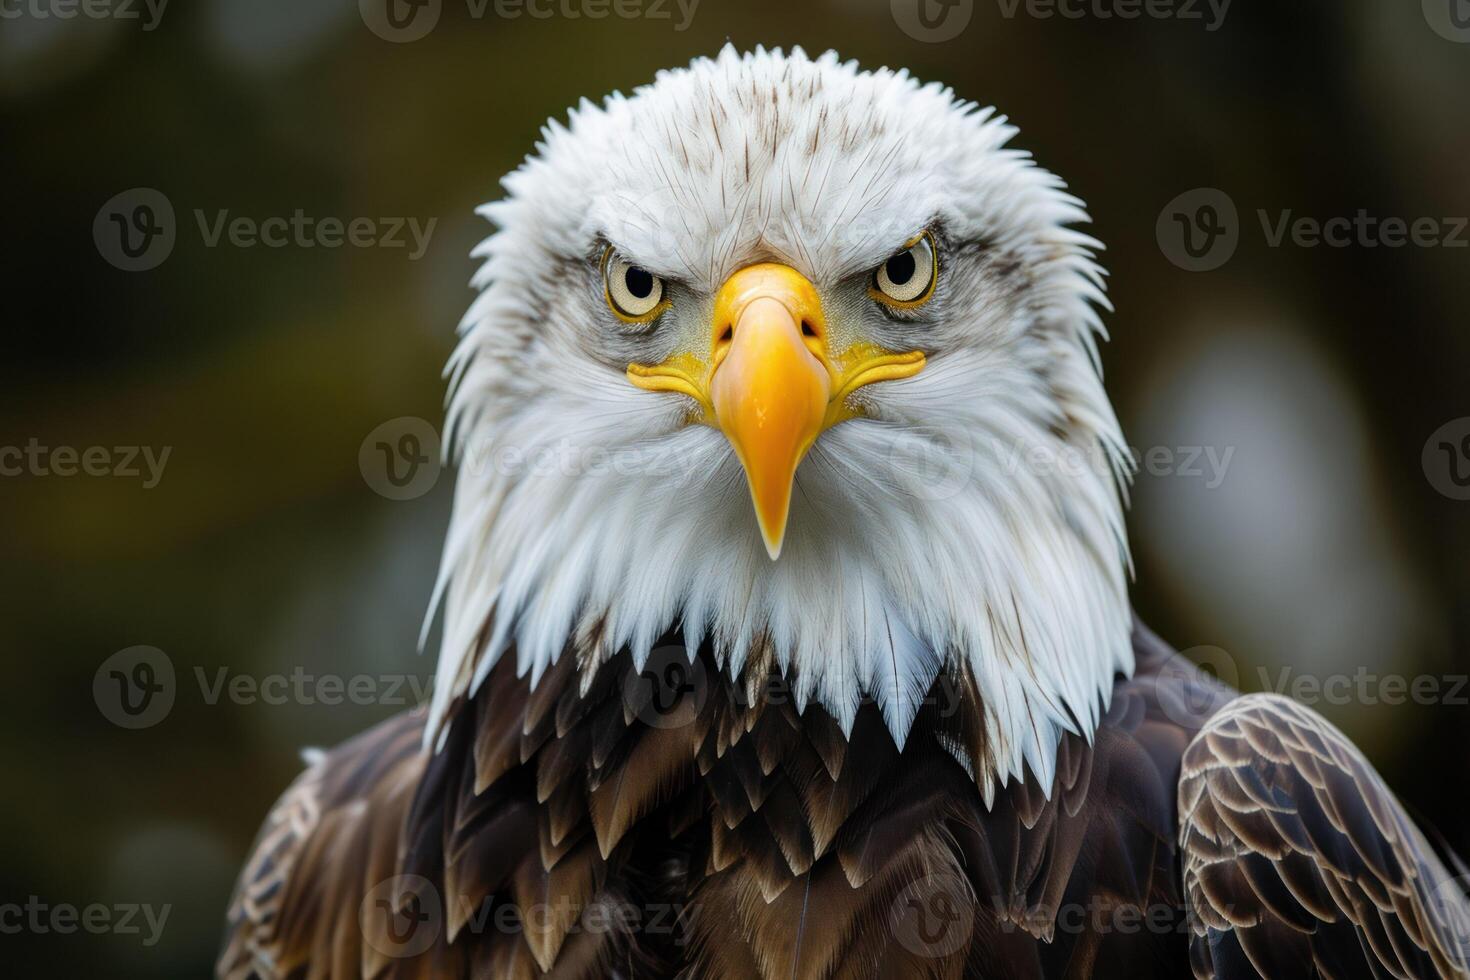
[[768, 280], [723, 341]]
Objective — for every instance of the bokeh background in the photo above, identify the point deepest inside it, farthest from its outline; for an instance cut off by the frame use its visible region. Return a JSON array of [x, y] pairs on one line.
[[1326, 547]]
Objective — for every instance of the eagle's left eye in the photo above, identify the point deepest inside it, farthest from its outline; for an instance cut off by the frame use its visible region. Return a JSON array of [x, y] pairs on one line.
[[635, 295], [907, 279]]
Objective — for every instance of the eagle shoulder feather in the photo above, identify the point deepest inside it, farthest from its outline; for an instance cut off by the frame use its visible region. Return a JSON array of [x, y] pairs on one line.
[[1298, 861]]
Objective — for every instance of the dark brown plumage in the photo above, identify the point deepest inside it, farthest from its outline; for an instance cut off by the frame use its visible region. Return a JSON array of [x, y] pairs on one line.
[[573, 830]]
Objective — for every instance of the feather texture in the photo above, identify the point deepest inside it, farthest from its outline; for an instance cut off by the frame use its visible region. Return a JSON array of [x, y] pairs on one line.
[[1298, 861], [725, 837]]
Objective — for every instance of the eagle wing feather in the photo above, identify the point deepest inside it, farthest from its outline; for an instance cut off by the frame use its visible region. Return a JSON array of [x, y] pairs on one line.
[[1298, 860]]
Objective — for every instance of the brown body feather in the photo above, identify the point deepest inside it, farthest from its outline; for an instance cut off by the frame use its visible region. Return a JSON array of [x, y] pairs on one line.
[[672, 823]]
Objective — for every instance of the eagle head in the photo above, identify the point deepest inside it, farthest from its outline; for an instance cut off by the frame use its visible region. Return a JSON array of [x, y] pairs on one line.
[[798, 361]]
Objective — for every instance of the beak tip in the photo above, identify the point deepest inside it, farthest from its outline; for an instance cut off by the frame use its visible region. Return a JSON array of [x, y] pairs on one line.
[[772, 538]]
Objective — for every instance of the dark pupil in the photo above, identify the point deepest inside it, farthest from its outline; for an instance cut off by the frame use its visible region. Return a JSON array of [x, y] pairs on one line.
[[639, 283], [901, 268]]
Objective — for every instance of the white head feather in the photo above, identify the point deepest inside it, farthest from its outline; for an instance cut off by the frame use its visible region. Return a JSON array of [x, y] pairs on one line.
[[582, 499]]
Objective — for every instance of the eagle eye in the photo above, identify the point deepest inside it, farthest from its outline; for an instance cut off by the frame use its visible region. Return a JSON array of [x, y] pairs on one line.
[[635, 295], [908, 278]]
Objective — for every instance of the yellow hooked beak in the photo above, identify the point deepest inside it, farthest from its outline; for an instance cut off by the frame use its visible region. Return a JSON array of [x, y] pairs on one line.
[[773, 381]]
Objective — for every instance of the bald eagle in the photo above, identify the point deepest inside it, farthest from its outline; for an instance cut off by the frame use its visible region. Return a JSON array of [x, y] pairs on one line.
[[780, 639]]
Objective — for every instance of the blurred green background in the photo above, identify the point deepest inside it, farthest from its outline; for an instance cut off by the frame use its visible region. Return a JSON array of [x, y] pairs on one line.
[[1325, 548]]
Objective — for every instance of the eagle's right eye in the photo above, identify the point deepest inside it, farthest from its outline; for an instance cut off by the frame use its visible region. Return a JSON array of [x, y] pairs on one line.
[[634, 294]]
